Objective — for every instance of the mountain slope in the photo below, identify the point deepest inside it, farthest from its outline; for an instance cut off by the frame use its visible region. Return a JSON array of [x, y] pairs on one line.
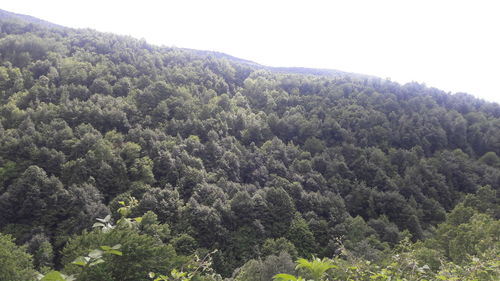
[[228, 154], [27, 19]]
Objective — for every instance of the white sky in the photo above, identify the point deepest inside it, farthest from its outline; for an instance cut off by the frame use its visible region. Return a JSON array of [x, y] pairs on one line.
[[450, 45]]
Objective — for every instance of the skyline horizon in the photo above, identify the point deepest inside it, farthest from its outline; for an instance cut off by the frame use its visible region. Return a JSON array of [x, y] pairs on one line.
[[286, 58]]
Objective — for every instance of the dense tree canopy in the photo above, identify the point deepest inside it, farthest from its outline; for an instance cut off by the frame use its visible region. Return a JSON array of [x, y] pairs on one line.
[[230, 155]]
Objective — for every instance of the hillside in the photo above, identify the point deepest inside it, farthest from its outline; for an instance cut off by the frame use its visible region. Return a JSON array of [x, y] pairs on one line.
[[25, 19], [225, 154]]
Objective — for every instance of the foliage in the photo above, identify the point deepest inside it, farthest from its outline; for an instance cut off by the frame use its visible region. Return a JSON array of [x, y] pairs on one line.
[[138, 252], [265, 268], [15, 263], [220, 153], [196, 268], [55, 276], [316, 267], [94, 258], [418, 261]]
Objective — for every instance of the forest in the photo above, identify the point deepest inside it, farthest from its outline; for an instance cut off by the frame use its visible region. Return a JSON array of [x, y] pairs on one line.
[[125, 161]]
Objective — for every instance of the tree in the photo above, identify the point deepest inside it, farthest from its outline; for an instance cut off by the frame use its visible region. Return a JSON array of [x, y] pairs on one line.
[[466, 233], [300, 235], [280, 212], [256, 270], [314, 145], [15, 263], [490, 158], [231, 155], [242, 206], [41, 249], [33, 199], [141, 255], [165, 202], [277, 246]]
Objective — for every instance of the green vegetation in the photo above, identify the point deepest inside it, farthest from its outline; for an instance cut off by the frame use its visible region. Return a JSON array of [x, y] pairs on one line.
[[474, 240], [15, 263], [178, 154]]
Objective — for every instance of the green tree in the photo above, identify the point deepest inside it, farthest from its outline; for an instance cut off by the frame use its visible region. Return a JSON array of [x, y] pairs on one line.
[[33, 199], [280, 212], [15, 263], [141, 254], [265, 269], [301, 236], [276, 246]]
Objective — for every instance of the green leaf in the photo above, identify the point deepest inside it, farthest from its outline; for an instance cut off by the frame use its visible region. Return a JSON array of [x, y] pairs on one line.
[[117, 246], [316, 266], [95, 254], [53, 276], [115, 252], [96, 262], [80, 261], [123, 211], [177, 274], [106, 248], [284, 277]]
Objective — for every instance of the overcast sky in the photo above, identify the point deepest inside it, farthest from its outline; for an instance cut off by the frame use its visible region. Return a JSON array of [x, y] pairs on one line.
[[450, 45]]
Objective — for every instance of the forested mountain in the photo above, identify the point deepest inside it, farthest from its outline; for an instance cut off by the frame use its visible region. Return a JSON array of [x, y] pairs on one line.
[[217, 153]]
